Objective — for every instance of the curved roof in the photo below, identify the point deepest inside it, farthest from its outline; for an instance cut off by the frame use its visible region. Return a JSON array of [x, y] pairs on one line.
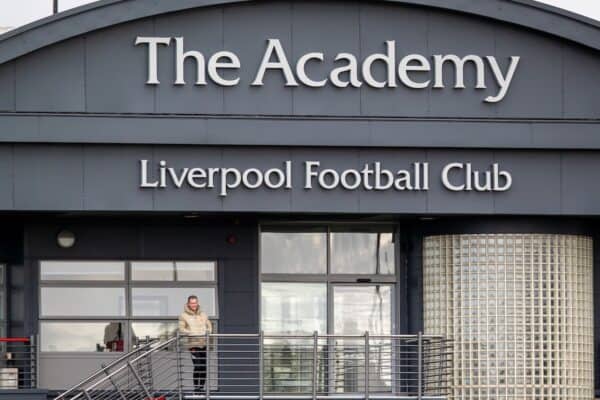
[[102, 14]]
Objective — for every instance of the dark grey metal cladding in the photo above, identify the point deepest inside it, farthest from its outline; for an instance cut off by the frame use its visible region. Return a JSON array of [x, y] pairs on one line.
[[107, 178], [555, 78], [201, 29], [246, 28], [336, 132], [112, 65], [52, 79], [7, 85]]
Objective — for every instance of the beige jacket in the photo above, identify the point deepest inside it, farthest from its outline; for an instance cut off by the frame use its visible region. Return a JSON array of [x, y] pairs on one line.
[[196, 324]]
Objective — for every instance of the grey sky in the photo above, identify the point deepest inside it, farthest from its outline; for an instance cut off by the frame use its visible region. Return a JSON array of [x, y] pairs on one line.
[[19, 12]]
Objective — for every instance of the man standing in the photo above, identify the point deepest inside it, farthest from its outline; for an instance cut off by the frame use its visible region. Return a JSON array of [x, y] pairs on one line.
[[194, 323]]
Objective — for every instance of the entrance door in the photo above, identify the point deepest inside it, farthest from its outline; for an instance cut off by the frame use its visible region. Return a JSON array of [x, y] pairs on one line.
[[358, 309]]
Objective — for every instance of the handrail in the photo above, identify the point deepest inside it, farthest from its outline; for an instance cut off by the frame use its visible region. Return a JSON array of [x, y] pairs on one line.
[[15, 340], [273, 366], [100, 372], [122, 368]]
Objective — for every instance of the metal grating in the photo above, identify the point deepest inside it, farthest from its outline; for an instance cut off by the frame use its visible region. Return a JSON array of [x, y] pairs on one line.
[[519, 308]]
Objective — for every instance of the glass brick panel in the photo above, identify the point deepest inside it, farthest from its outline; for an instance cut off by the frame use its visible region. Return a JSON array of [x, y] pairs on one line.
[[519, 308]]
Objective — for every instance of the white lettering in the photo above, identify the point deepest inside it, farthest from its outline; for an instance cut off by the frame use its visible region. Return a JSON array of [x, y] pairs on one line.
[[181, 56], [274, 47], [152, 43], [459, 65], [404, 68], [232, 62], [503, 80], [301, 70]]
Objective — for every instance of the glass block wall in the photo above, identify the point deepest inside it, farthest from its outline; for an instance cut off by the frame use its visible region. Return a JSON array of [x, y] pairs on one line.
[[520, 310]]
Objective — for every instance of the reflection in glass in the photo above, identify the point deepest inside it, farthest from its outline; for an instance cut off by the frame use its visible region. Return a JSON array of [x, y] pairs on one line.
[[358, 309], [294, 308], [82, 301], [82, 336], [143, 330], [293, 253], [362, 253], [291, 308], [82, 271], [152, 271], [196, 271], [169, 302]]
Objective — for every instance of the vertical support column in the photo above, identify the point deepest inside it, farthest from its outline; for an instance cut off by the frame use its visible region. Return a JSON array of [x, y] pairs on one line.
[[367, 358], [139, 380], [420, 366], [315, 364], [207, 381], [179, 369], [261, 364], [33, 361]]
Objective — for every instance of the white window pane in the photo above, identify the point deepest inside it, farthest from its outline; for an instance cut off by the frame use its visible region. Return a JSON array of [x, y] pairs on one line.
[[294, 253], [82, 271], [169, 302], [82, 301], [196, 271], [358, 309], [142, 330], [82, 336], [362, 253], [294, 308], [152, 271]]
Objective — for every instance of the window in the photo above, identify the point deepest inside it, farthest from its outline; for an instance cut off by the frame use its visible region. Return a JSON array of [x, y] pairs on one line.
[[301, 265], [82, 271], [110, 306], [82, 336], [301, 252], [330, 279], [294, 308], [370, 253]]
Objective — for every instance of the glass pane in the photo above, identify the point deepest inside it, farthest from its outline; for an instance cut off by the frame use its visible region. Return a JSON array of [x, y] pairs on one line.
[[142, 330], [358, 309], [82, 271], [294, 308], [169, 302], [362, 253], [82, 336], [196, 271], [293, 253], [82, 301], [152, 271]]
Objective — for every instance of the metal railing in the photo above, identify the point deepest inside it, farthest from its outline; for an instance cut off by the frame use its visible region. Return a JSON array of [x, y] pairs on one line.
[[19, 363], [258, 366]]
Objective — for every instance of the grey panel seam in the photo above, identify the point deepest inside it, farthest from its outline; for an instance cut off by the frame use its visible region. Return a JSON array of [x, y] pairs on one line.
[[284, 117]]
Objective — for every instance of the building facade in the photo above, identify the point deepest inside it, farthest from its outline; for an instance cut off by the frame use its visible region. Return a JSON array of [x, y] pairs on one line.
[[340, 167]]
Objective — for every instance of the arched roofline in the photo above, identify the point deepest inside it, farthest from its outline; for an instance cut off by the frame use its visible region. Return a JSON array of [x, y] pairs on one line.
[[106, 13]]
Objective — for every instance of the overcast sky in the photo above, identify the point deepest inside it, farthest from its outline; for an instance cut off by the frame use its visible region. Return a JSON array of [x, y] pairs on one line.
[[14, 13]]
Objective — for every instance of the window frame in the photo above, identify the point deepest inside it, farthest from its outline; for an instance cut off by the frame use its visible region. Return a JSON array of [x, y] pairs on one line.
[[128, 284], [330, 279]]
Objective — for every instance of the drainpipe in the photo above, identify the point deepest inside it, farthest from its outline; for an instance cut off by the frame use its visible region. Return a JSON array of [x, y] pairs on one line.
[[54, 6]]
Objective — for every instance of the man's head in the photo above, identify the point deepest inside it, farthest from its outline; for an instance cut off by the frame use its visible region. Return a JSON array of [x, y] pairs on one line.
[[192, 303]]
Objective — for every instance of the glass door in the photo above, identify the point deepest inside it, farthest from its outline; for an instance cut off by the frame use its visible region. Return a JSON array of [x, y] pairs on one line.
[[358, 309]]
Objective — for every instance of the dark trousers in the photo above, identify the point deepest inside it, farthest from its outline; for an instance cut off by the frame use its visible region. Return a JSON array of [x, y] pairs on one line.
[[199, 361]]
